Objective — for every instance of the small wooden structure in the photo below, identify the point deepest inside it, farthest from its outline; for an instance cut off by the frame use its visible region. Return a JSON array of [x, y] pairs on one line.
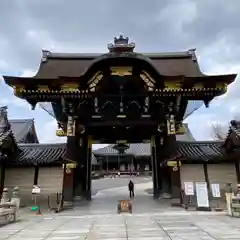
[[235, 206], [124, 206], [8, 211]]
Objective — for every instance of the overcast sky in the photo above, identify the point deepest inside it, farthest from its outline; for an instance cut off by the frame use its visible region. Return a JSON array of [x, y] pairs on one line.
[[211, 26]]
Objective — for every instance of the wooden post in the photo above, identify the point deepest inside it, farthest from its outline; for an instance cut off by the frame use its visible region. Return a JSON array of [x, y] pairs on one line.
[[89, 168], [155, 173], [205, 169], [237, 171], [67, 186], [2, 177]]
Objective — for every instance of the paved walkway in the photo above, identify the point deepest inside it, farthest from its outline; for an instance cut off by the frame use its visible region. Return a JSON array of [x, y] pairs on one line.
[[98, 220], [119, 227]]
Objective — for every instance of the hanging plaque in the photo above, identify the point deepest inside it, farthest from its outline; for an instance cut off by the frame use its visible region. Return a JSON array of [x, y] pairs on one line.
[[71, 126], [171, 126]]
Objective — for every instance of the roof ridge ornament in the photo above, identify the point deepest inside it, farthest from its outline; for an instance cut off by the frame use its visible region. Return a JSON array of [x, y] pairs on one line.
[[192, 52], [45, 55], [121, 44]]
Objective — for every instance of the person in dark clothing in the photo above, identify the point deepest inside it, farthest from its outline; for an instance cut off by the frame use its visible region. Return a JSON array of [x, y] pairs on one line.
[[131, 189]]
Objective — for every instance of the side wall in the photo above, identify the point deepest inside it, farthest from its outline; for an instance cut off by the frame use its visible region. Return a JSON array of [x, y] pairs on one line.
[[24, 179], [50, 180], [221, 173], [191, 173]]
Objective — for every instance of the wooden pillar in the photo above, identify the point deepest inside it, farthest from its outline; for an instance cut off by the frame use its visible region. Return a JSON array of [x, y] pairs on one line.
[[36, 173], [237, 171], [170, 152], [159, 160], [71, 156], [205, 169], [89, 169], [175, 184], [2, 177], [80, 176], [67, 186], [155, 154]]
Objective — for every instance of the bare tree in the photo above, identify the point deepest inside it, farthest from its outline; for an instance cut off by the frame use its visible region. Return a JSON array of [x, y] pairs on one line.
[[219, 131]]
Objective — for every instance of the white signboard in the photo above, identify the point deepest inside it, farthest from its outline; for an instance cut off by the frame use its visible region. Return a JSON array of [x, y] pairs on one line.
[[122, 167], [189, 188], [36, 189], [202, 194], [215, 190]]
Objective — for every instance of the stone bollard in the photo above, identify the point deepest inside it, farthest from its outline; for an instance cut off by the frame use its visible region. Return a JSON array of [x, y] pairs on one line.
[[16, 200], [5, 196]]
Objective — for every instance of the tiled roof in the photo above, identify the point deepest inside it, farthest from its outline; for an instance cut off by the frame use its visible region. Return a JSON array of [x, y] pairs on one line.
[[36, 154], [41, 153], [54, 65], [204, 150], [189, 150], [21, 128]]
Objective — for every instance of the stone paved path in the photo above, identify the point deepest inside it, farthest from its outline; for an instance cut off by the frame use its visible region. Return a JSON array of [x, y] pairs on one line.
[[151, 220], [173, 226]]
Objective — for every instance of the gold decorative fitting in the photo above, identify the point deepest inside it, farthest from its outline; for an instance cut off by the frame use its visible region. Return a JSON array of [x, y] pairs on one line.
[[222, 86], [121, 71], [180, 129], [198, 86], [71, 87], [69, 165], [60, 133], [175, 169], [173, 85], [43, 88], [18, 89], [173, 163], [147, 81], [148, 75], [94, 81]]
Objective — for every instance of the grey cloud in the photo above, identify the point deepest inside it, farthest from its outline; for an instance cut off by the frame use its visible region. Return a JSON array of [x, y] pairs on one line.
[[212, 26], [155, 26]]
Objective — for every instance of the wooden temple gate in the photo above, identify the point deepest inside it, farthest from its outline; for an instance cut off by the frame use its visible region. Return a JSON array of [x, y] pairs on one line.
[[120, 95]]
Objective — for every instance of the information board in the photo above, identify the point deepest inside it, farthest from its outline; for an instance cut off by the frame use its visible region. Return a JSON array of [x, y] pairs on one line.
[[189, 188], [36, 189], [215, 190], [202, 194]]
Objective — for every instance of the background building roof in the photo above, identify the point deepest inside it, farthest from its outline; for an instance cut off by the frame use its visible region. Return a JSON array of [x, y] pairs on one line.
[[22, 128], [188, 150]]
